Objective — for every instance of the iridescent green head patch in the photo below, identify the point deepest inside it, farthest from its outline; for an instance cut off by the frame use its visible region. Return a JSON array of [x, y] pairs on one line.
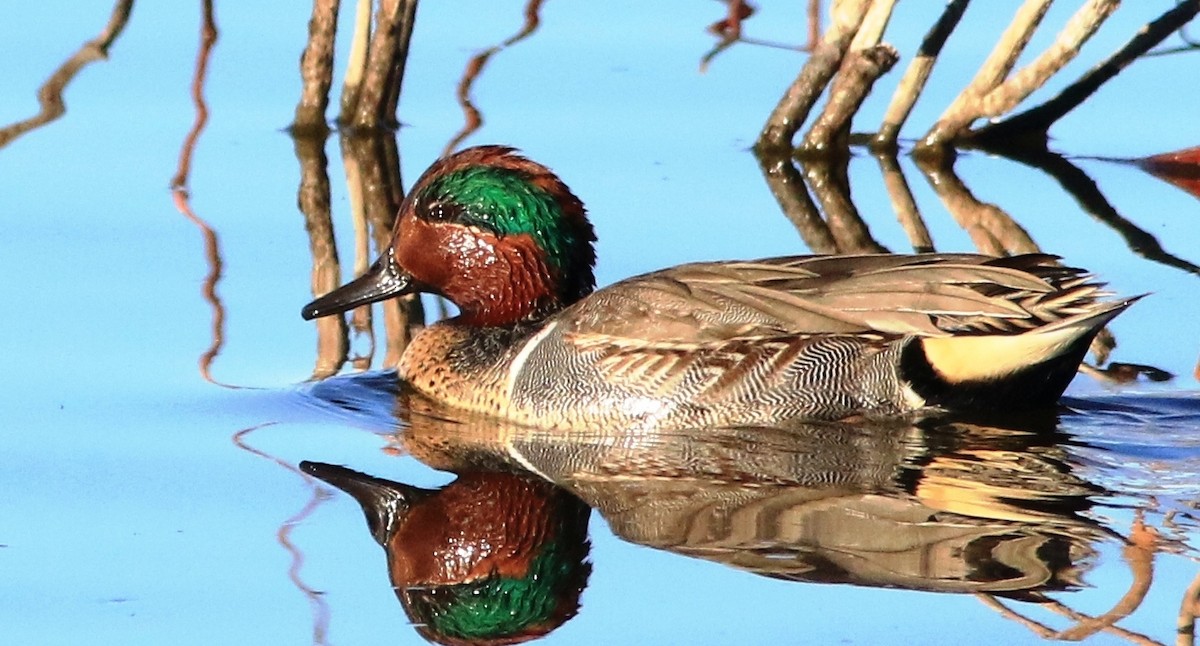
[[497, 607], [509, 202]]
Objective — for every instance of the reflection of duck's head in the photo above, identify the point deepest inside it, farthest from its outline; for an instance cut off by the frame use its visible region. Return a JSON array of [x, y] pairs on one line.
[[732, 343], [491, 558]]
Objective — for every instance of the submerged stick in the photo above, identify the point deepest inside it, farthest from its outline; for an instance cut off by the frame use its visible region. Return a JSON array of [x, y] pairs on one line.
[[1087, 194], [181, 196], [830, 182], [473, 118], [1081, 27], [373, 174]]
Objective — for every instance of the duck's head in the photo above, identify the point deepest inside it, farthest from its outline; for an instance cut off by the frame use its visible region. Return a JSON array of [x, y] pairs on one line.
[[500, 236]]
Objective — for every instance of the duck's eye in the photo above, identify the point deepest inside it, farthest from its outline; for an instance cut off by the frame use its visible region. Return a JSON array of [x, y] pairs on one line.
[[438, 211]]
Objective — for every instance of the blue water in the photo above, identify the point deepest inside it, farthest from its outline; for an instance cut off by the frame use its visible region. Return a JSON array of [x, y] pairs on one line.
[[145, 504]]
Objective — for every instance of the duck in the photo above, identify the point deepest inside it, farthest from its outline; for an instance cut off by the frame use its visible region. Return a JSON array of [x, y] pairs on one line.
[[735, 342]]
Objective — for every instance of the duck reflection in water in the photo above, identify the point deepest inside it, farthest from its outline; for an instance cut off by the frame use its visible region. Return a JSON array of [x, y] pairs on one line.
[[491, 558], [946, 506]]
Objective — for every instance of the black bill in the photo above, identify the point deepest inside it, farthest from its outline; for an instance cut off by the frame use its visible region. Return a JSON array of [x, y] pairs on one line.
[[383, 280]]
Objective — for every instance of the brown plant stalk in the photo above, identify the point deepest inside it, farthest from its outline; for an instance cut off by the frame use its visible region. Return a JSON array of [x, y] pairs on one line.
[[966, 106], [1035, 123], [916, 75], [992, 230], [383, 74], [792, 110], [991, 94], [901, 197], [830, 183], [316, 69]]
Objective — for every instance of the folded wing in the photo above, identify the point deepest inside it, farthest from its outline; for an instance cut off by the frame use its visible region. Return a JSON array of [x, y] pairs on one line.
[[928, 295]]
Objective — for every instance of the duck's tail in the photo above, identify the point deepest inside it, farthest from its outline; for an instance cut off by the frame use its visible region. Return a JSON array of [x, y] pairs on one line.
[[1034, 366]]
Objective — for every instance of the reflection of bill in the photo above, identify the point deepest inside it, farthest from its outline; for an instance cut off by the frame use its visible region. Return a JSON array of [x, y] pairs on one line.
[[490, 558]]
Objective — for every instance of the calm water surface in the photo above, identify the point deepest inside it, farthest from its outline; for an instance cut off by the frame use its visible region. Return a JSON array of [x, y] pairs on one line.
[[146, 503]]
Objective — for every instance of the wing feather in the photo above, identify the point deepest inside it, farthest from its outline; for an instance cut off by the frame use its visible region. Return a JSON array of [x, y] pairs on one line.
[[710, 305]]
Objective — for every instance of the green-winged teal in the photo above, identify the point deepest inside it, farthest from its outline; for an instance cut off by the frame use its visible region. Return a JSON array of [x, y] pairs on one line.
[[733, 342]]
